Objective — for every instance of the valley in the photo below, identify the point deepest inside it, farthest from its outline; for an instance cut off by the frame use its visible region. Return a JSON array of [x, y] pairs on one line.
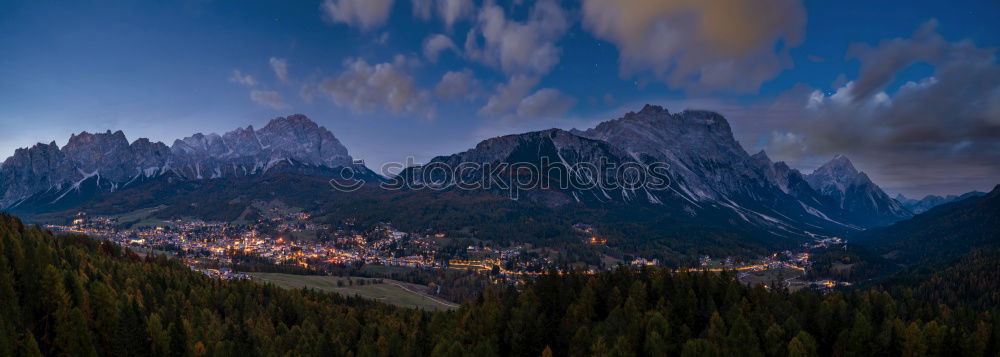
[[456, 178]]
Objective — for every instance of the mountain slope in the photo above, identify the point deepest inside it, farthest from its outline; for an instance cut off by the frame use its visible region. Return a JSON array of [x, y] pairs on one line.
[[564, 168]]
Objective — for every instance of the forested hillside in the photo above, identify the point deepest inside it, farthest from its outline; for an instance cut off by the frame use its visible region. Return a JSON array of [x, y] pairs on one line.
[[945, 232], [76, 296]]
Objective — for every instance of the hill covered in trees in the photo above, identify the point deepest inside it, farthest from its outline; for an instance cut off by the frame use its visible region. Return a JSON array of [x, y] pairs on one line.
[[946, 232], [72, 295]]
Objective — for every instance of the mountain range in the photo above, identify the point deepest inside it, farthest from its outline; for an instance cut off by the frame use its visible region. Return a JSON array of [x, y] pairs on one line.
[[712, 178], [930, 201], [708, 168], [107, 162]]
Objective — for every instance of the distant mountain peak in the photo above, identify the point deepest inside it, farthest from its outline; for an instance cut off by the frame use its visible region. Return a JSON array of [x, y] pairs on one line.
[[930, 201], [853, 190]]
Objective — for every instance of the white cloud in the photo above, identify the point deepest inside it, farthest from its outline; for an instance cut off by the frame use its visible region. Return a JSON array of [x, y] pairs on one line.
[[280, 67], [545, 103], [242, 79], [450, 11], [514, 100], [308, 92], [435, 44], [364, 87], [382, 38], [269, 98], [364, 14], [456, 84], [527, 47], [702, 45], [508, 95]]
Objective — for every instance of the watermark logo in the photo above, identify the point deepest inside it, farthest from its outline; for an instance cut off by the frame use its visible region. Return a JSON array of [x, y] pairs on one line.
[[599, 174]]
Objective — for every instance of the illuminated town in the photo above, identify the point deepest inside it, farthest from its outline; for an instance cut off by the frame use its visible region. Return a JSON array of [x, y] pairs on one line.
[[215, 247]]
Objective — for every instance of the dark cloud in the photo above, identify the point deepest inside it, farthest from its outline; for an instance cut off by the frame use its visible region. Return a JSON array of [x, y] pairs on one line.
[[940, 134], [880, 64]]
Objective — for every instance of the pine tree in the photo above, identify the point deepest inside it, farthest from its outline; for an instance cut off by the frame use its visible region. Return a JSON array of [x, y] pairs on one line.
[[774, 339], [699, 347], [913, 341], [29, 347], [716, 330], [159, 341], [547, 352], [802, 345]]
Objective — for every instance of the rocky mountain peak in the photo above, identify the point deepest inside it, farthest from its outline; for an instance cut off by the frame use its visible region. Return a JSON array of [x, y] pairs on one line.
[[852, 190], [200, 144], [651, 109], [105, 140], [840, 163], [299, 120], [839, 171], [299, 137], [761, 156]]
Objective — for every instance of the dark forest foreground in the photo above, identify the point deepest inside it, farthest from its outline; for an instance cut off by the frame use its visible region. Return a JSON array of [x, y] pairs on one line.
[[75, 296]]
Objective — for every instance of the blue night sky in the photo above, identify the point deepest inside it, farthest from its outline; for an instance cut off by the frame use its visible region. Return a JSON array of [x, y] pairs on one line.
[[909, 90]]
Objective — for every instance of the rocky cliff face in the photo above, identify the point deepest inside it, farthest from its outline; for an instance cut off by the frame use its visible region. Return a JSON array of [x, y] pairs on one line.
[[110, 161], [707, 162]]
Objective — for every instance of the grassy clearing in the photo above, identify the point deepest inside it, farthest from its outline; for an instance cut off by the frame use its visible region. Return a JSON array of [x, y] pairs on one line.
[[142, 218], [769, 276], [389, 291]]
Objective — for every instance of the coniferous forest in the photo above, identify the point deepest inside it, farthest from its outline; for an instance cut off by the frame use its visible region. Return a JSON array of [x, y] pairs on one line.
[[75, 296]]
